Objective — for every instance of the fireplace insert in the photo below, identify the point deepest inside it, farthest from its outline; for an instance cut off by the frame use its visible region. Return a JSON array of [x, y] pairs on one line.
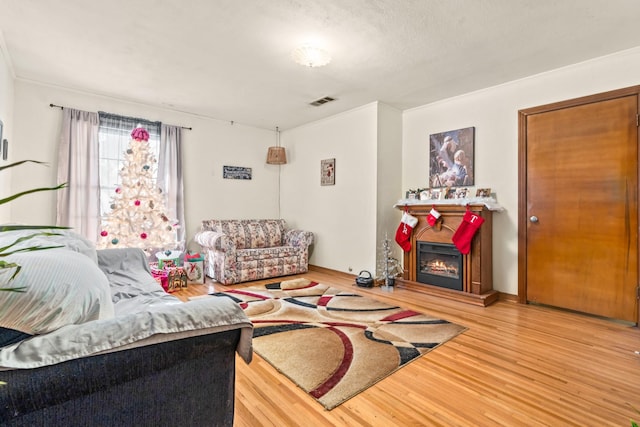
[[439, 264]]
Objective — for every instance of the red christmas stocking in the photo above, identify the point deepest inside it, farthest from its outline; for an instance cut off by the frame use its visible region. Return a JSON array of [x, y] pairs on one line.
[[403, 234], [433, 216], [465, 232]]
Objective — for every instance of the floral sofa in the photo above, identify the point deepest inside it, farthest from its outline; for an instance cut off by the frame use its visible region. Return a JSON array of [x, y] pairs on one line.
[[251, 249]]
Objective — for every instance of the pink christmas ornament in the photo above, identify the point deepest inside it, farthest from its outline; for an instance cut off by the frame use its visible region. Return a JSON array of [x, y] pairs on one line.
[[143, 236], [104, 233], [118, 190], [137, 203], [140, 134]]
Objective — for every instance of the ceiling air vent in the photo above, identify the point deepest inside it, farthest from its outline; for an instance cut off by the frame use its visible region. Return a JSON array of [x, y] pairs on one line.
[[322, 101]]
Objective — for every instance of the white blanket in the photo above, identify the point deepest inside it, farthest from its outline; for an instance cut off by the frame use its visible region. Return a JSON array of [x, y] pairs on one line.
[[159, 323]]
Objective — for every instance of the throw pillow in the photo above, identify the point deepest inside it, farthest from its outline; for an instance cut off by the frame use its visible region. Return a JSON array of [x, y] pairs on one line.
[[295, 284], [62, 287], [67, 238]]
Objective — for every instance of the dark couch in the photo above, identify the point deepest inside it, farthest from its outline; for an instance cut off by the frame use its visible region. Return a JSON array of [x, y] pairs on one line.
[[188, 382], [182, 378]]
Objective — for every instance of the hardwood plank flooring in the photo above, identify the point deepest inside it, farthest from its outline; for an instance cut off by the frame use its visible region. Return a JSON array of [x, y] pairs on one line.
[[516, 365]]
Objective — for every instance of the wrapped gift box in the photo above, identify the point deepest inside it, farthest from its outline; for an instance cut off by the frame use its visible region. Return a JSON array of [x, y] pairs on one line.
[[160, 274], [168, 258], [171, 279], [194, 267]]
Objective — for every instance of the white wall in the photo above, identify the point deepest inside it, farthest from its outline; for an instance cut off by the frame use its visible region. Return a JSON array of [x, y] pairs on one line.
[[389, 179], [210, 145], [342, 216], [6, 115], [493, 112], [349, 218]]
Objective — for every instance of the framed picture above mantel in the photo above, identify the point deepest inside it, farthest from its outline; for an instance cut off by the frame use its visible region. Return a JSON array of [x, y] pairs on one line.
[[451, 157]]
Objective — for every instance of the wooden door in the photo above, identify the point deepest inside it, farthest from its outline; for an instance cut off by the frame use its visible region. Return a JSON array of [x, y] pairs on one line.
[[578, 219]]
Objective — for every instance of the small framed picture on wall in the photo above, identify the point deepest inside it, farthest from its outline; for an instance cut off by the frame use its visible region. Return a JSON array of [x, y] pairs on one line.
[[328, 172]]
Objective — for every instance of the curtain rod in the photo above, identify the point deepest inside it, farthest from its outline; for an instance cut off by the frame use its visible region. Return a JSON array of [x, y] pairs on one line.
[[62, 108]]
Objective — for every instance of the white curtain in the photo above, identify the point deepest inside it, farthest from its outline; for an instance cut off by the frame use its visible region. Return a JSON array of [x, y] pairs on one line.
[[170, 176], [78, 165]]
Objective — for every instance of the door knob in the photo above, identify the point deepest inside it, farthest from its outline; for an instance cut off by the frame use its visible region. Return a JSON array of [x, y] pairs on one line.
[[533, 219]]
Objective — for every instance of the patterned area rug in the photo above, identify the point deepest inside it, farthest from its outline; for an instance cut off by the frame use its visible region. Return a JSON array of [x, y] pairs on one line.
[[332, 343]]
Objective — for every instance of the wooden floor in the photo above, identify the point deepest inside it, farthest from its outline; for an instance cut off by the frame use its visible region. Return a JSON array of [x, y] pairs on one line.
[[517, 365]]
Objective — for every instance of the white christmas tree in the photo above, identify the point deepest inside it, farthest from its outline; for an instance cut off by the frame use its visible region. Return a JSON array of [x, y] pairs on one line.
[[138, 216]]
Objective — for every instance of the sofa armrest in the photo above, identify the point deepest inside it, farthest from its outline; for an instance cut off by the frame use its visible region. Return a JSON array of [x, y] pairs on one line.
[[212, 240], [298, 238]]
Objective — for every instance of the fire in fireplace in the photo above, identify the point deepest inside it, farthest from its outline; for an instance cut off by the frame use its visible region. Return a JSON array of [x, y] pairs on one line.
[[439, 264]]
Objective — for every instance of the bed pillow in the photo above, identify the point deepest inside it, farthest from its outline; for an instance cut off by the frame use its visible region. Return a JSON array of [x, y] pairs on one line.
[[62, 287], [61, 237]]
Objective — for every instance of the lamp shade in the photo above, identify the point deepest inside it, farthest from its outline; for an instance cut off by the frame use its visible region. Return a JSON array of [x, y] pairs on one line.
[[276, 156]]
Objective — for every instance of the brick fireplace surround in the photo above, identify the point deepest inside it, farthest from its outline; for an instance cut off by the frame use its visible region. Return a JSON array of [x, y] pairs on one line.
[[477, 287]]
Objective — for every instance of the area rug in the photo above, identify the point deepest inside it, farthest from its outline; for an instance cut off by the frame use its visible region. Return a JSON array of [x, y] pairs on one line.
[[332, 343]]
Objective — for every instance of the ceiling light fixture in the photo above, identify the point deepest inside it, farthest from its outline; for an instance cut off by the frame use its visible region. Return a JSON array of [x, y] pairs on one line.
[[311, 56], [276, 155]]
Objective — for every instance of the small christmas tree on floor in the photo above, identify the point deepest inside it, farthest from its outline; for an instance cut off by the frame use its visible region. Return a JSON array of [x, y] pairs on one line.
[[388, 267], [138, 216]]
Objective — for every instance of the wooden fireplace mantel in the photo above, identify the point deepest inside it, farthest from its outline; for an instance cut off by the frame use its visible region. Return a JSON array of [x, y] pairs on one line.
[[477, 264]]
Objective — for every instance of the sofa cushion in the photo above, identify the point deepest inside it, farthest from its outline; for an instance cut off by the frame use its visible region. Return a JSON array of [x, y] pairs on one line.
[[266, 253], [250, 233], [62, 286]]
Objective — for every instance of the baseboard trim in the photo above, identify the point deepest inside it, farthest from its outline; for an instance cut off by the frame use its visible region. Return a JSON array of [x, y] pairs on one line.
[[508, 298], [330, 271]]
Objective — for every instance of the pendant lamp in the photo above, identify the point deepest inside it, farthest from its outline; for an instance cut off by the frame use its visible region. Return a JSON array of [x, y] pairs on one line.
[[276, 155]]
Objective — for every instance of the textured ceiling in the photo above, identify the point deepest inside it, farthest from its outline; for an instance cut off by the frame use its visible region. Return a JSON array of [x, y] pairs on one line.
[[231, 59]]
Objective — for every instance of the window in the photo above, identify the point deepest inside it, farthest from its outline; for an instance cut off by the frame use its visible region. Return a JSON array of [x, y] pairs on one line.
[[114, 136]]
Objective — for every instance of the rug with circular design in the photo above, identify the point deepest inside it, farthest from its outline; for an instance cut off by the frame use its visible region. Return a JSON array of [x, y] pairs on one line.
[[333, 343]]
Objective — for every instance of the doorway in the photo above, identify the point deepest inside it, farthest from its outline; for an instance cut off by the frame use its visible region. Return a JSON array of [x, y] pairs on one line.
[[578, 205]]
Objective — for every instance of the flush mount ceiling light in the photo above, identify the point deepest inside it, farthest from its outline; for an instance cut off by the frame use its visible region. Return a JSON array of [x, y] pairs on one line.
[[311, 56]]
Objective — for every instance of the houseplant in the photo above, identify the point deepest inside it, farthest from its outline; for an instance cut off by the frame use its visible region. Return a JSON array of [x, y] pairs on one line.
[[11, 248]]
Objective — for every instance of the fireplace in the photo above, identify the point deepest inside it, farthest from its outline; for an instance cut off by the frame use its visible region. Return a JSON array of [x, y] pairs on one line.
[[439, 264], [474, 284]]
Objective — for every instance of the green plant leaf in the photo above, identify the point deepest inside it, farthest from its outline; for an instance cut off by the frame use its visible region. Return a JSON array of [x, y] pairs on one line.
[[20, 289], [15, 227], [5, 251], [21, 162], [35, 190], [6, 265], [24, 238]]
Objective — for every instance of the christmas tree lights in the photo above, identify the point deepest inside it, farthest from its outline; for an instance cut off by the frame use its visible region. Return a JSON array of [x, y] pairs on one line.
[[138, 216]]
